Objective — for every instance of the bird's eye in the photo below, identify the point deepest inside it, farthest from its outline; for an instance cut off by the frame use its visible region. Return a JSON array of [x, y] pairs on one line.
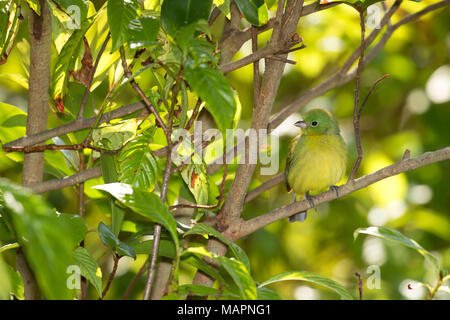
[[314, 123]]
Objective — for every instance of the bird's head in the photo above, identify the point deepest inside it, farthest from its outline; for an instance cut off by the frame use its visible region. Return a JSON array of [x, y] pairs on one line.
[[318, 121]]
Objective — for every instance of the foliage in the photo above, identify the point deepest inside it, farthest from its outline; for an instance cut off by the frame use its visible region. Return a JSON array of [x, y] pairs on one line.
[[172, 51]]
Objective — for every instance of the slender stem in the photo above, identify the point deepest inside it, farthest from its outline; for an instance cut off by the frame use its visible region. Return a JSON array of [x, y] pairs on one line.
[[133, 282], [356, 114], [81, 213], [360, 285], [150, 107], [111, 275]]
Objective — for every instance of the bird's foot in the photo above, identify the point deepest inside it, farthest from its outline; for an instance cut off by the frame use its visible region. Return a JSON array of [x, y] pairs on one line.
[[310, 199], [336, 189]]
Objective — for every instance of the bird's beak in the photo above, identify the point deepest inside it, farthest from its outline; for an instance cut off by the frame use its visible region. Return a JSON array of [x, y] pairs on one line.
[[300, 124]]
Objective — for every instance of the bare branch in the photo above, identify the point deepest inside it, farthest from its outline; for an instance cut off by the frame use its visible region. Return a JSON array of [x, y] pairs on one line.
[[356, 114], [286, 211]]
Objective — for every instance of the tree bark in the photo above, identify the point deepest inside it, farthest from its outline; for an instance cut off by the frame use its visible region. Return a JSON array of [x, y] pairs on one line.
[[33, 164]]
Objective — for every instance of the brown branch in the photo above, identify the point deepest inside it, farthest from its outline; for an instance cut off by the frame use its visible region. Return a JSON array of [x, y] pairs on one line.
[[111, 275], [32, 139], [264, 187], [360, 285], [57, 147], [81, 213], [68, 181], [134, 280], [150, 107], [356, 114], [405, 165], [266, 52], [165, 186]]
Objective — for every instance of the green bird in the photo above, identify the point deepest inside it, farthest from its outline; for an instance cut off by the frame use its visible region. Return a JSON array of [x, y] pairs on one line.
[[316, 159]]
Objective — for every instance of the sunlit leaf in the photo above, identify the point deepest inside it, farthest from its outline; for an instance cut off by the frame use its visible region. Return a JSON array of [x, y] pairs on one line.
[[313, 278], [137, 166], [144, 203], [143, 32], [120, 14], [89, 268], [176, 14], [255, 11], [66, 62], [237, 251], [212, 87], [395, 236], [241, 277], [43, 238]]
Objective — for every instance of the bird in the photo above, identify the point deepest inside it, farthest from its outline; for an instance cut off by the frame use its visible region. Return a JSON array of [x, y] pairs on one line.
[[317, 158]]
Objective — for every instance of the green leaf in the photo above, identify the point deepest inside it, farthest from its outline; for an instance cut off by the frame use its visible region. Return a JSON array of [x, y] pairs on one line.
[[241, 277], [212, 87], [108, 165], [144, 203], [107, 236], [16, 78], [120, 14], [12, 126], [237, 251], [143, 32], [224, 6], [124, 249], [267, 294], [89, 268], [76, 225], [16, 282], [206, 268], [43, 238], [176, 14], [71, 13], [110, 239], [195, 177], [395, 236], [9, 246], [255, 11], [137, 165], [114, 136], [313, 278], [166, 248], [35, 6], [117, 215], [66, 61]]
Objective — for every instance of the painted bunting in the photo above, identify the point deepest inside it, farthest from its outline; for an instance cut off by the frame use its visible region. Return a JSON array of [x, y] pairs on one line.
[[316, 158]]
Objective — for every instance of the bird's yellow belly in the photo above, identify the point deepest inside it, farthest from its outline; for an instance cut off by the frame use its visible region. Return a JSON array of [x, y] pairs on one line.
[[320, 164]]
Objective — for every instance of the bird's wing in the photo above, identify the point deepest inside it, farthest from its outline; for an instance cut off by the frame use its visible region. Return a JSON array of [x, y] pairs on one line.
[[289, 157]]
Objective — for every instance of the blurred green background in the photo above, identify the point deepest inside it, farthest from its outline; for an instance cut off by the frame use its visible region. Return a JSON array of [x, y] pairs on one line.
[[409, 110]]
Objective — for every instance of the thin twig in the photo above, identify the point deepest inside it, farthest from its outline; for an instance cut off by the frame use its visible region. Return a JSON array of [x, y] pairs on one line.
[[137, 88], [401, 166], [81, 212], [164, 188], [111, 275], [356, 120], [360, 285], [134, 280]]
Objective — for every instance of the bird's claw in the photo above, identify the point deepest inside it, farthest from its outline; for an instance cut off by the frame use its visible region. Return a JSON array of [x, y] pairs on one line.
[[336, 189], [310, 199]]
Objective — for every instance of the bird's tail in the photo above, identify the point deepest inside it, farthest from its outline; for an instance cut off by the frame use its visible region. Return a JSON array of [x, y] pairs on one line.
[[298, 217], [301, 216]]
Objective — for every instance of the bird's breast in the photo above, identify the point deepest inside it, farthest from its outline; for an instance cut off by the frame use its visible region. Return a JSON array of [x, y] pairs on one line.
[[318, 162]]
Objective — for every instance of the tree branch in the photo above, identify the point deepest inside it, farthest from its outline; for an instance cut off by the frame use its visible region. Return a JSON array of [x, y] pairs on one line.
[[286, 211]]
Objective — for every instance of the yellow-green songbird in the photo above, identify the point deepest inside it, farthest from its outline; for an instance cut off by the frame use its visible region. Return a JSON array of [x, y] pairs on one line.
[[316, 158]]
